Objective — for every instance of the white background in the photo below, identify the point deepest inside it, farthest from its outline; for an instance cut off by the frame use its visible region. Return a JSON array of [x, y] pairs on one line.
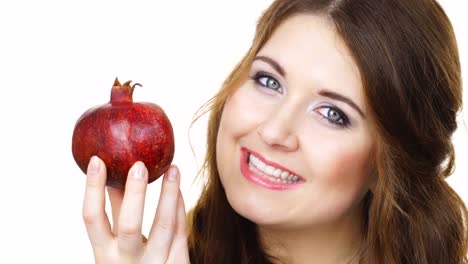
[[58, 58]]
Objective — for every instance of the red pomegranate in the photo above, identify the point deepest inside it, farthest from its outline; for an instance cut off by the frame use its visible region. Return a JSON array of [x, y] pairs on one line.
[[121, 133]]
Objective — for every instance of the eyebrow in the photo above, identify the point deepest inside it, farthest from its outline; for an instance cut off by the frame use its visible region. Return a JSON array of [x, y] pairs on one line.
[[323, 92], [272, 63]]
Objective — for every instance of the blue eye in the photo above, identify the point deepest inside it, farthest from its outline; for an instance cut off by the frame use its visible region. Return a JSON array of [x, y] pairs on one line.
[[334, 116], [266, 80]]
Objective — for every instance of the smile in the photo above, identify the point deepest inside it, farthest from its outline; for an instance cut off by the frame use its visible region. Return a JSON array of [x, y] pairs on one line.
[[271, 172], [265, 173]]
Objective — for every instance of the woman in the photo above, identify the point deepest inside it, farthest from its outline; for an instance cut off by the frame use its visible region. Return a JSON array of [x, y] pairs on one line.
[[328, 143]]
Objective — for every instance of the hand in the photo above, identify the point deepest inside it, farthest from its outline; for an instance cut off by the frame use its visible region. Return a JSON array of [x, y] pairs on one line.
[[124, 243]]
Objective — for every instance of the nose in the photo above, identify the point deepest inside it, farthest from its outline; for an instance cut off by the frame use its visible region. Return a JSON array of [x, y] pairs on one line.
[[278, 131]]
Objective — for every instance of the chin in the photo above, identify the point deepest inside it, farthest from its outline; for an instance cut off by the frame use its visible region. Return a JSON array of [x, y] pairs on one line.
[[265, 219], [254, 207]]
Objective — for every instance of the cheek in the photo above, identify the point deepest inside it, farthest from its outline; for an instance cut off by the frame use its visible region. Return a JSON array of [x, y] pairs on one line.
[[241, 114], [350, 169], [337, 157], [236, 121], [342, 175]]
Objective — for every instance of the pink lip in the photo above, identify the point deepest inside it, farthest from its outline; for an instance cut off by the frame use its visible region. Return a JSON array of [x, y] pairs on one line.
[[260, 180]]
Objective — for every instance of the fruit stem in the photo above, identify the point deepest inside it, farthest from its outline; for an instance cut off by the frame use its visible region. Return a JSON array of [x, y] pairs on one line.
[[122, 94]]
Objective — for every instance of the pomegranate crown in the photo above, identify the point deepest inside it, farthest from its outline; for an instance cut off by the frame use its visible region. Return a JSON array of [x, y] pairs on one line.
[[122, 93]]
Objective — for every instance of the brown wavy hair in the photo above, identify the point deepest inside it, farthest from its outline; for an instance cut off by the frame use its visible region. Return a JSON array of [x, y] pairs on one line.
[[408, 59]]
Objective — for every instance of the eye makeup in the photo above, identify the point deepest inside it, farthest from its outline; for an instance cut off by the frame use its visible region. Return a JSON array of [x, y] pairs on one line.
[[267, 81]]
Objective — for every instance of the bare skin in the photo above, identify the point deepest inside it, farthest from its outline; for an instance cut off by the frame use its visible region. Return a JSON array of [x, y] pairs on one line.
[[123, 242], [301, 111]]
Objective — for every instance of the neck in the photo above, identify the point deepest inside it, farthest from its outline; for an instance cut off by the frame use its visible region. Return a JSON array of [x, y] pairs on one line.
[[330, 243]]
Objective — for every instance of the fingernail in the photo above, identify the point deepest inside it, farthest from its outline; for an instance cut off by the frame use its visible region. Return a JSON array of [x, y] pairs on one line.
[[93, 167], [172, 174], [138, 171]]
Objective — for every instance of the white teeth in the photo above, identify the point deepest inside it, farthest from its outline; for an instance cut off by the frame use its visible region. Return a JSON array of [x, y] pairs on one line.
[[277, 173], [269, 170], [272, 173]]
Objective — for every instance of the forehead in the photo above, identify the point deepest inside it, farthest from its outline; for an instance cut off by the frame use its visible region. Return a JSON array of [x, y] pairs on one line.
[[312, 53]]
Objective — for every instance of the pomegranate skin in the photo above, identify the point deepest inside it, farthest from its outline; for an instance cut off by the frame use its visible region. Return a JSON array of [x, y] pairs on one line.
[[122, 133]]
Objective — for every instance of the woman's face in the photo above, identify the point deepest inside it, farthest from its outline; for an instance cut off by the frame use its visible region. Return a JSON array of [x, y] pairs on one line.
[[294, 144]]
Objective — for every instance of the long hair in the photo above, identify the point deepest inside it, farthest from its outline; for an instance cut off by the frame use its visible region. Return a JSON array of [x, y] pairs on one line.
[[408, 59]]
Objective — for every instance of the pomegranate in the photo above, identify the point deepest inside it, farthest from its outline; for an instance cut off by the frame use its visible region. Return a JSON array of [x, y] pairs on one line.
[[121, 133]]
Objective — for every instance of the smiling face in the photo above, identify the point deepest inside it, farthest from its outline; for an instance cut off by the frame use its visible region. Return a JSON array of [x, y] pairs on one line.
[[303, 116]]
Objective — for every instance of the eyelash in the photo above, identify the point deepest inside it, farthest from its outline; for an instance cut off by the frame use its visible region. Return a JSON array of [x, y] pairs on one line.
[[344, 119], [257, 76]]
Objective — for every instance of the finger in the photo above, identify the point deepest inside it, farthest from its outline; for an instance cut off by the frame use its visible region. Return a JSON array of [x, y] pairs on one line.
[[179, 249], [181, 227], [115, 196], [164, 224], [94, 214], [131, 213]]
